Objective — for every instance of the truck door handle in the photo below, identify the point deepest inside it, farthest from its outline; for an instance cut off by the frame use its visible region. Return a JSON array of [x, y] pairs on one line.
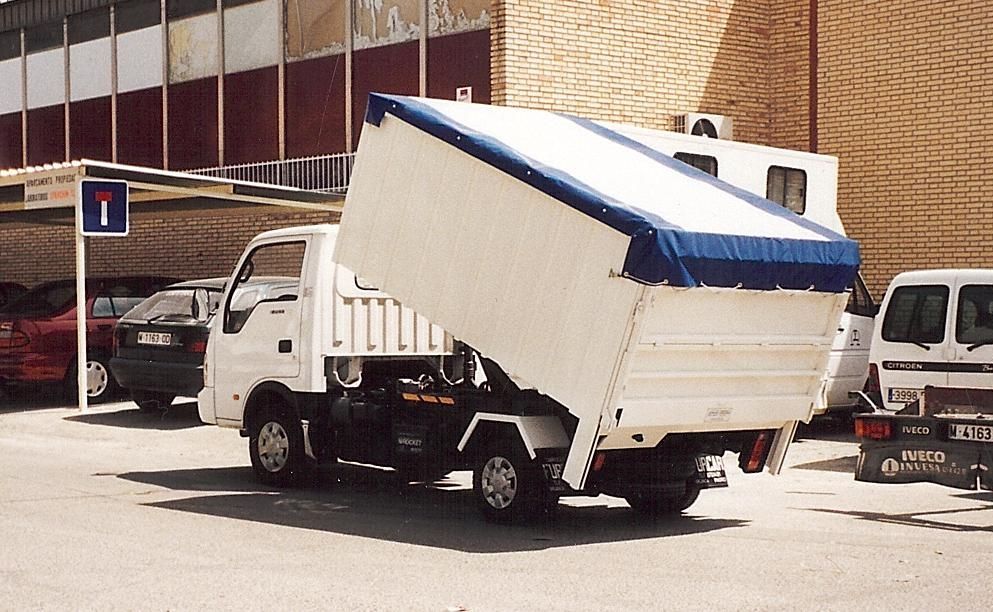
[[285, 346]]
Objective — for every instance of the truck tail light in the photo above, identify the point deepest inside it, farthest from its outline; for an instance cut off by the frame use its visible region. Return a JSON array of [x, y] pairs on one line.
[[873, 429], [872, 382], [756, 458], [598, 460]]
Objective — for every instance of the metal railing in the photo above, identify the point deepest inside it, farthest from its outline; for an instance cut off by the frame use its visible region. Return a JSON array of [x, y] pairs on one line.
[[325, 173]]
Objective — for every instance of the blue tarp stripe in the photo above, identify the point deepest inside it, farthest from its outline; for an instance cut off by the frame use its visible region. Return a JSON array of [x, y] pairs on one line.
[[659, 252]]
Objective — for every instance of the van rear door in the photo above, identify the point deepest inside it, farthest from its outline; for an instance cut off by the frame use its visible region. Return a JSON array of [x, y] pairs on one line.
[[915, 342], [972, 338]]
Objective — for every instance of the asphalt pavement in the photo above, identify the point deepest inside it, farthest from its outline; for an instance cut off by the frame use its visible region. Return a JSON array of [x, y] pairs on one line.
[[115, 509]]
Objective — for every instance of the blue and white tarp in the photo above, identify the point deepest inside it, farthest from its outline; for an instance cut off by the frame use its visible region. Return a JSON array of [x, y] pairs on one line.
[[687, 228]]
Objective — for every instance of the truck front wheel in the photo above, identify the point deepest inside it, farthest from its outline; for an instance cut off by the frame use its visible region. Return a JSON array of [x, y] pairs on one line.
[[664, 502], [508, 484], [276, 448]]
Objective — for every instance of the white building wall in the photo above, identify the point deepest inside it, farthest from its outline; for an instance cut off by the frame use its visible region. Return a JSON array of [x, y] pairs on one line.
[[139, 59], [46, 78], [251, 36], [11, 93], [89, 70]]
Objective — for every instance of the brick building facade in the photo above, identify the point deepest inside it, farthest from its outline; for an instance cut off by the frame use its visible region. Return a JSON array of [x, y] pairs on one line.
[[894, 88]]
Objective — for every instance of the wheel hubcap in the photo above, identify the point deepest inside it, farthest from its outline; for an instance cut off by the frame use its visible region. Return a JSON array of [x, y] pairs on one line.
[[499, 482], [274, 446], [96, 378]]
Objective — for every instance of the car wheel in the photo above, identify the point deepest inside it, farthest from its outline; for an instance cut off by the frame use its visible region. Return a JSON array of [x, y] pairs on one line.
[[276, 448], [508, 484], [100, 383], [151, 401], [664, 502]]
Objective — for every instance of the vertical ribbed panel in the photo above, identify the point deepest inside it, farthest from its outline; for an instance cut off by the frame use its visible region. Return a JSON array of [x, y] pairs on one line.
[[370, 322]]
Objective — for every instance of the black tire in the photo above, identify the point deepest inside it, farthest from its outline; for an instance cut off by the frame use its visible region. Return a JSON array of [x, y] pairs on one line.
[[101, 384], [276, 448], [508, 485], [664, 502], [151, 401]]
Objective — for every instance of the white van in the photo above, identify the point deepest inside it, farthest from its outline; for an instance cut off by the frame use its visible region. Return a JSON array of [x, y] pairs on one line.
[[936, 330], [848, 362]]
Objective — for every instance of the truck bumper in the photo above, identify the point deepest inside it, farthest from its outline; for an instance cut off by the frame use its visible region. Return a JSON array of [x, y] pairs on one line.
[[919, 450]]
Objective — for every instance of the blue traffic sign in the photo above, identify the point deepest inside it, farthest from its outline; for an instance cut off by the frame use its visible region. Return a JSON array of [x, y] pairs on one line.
[[104, 207]]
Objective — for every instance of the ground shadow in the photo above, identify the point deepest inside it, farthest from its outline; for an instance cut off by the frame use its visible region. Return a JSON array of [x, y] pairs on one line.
[[23, 399], [831, 427], [371, 503], [182, 415], [916, 519], [838, 464]]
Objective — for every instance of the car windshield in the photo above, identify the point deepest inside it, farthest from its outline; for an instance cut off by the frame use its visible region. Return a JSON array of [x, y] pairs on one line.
[[44, 300], [171, 303]]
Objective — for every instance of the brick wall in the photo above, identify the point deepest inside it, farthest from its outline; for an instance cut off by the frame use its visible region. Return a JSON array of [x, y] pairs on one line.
[[637, 61], [905, 90], [173, 244], [789, 74]]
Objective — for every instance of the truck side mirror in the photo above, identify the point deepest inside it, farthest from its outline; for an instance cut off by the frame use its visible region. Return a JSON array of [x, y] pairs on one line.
[[200, 308]]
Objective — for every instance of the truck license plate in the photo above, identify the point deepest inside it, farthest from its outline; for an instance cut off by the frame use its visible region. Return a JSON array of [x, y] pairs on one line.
[[905, 396], [974, 433], [154, 338]]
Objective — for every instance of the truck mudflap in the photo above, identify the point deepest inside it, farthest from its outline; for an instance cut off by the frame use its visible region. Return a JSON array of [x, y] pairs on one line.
[[897, 449], [710, 472]]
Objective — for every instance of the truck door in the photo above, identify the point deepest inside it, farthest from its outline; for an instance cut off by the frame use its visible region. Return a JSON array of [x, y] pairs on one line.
[[258, 330], [972, 341], [915, 342]]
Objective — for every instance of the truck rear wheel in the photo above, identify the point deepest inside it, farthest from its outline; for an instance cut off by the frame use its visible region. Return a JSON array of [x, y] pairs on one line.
[[508, 484], [664, 502], [276, 447]]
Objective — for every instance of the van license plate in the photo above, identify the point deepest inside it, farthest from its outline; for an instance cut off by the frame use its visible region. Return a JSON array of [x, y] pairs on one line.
[[154, 338], [974, 433], [905, 396]]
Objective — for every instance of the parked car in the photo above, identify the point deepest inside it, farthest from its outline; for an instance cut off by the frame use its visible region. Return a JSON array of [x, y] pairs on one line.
[[159, 345], [38, 332], [9, 292]]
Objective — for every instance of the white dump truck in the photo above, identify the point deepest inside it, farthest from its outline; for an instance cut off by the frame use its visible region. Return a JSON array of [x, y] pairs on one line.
[[578, 313]]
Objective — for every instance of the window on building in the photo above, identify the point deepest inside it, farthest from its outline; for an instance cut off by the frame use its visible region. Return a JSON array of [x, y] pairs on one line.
[[701, 162], [787, 186], [916, 314]]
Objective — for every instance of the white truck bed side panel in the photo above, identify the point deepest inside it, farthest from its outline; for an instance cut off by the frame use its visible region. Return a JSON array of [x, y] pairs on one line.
[[540, 300], [719, 359]]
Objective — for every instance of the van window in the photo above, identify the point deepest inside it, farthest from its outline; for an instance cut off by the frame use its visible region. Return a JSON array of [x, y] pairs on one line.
[[916, 313], [975, 314], [787, 186], [860, 302], [706, 163]]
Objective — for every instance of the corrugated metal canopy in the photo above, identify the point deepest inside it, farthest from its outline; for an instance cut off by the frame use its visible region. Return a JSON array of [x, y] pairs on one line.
[[150, 190]]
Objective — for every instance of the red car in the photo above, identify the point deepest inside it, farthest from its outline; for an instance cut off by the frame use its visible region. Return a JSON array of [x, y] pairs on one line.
[[38, 332]]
